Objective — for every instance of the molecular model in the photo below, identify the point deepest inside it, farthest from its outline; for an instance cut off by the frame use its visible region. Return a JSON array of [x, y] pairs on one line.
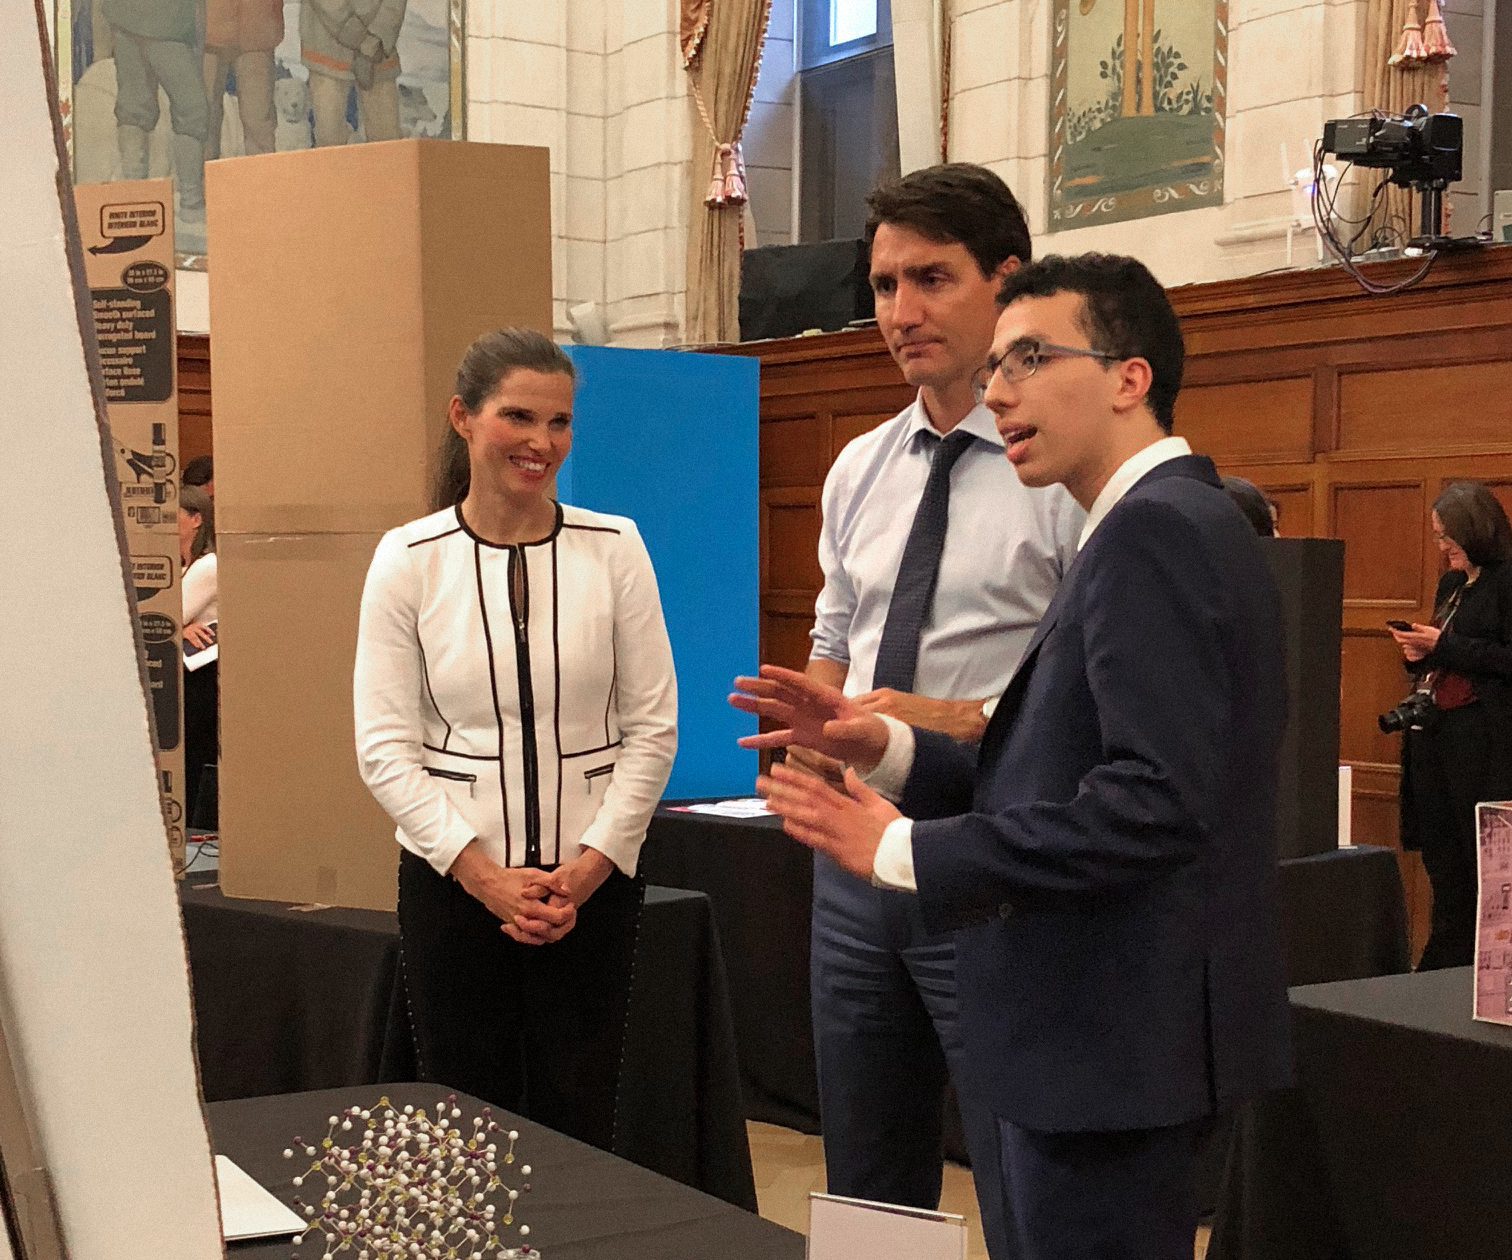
[[412, 1185]]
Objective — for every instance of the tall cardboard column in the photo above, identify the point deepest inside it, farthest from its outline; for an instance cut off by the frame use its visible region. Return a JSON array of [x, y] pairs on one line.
[[345, 283], [127, 232]]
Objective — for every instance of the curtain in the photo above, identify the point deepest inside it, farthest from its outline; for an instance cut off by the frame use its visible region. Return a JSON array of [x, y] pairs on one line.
[[921, 67], [1406, 63], [722, 43]]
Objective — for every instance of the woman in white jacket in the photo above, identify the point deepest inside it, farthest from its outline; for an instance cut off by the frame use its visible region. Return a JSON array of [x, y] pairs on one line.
[[516, 716]]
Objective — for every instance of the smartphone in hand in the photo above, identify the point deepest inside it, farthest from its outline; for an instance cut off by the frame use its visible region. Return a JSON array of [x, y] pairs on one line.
[[1397, 624]]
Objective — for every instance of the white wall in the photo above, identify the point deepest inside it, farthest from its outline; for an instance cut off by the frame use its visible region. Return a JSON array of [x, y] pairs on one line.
[[1293, 64]]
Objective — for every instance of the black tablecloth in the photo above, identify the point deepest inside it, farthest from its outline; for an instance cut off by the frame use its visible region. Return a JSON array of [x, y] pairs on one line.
[[289, 1000], [1396, 1142], [761, 885], [1343, 916], [583, 1204]]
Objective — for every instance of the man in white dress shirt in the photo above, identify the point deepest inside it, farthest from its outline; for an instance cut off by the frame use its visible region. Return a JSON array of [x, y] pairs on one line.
[[1107, 858], [933, 586]]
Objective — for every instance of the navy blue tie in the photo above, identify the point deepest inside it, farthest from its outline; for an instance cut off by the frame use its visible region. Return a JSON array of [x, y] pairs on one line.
[[918, 571]]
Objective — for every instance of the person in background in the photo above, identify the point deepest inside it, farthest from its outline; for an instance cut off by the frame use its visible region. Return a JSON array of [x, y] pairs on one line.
[[200, 471], [199, 590], [241, 35], [516, 716], [1258, 510], [1460, 752]]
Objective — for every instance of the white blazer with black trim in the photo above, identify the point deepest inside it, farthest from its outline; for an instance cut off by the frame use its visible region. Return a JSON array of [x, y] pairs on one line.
[[522, 694]]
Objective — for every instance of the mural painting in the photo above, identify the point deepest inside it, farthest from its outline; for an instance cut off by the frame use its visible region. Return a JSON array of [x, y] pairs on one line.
[[1136, 108]]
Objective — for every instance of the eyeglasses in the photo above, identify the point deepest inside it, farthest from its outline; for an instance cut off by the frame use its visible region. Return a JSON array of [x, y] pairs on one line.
[[1024, 358]]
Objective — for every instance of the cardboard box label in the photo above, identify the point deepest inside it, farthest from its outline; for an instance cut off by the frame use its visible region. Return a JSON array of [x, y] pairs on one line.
[[127, 233], [136, 336], [129, 224]]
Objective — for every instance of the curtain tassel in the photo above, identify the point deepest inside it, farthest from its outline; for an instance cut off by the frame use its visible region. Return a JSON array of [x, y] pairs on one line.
[[1410, 53], [716, 195], [734, 175], [727, 182], [1435, 38]]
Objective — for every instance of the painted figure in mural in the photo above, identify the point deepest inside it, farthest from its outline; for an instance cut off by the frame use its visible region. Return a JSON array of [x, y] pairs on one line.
[[242, 34], [352, 41], [155, 46]]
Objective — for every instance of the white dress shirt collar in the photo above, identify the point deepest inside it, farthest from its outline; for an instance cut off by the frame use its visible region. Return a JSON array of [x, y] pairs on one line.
[[978, 422], [1128, 474]]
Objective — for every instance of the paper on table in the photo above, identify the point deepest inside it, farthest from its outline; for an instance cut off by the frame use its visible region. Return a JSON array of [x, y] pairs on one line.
[[249, 1211], [841, 1229], [745, 807]]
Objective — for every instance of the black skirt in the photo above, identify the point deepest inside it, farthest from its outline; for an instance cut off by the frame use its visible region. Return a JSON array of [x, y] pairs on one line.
[[538, 1030]]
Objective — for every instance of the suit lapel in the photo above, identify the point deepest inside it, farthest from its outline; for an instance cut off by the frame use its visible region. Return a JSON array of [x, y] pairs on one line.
[[1199, 467], [1002, 717]]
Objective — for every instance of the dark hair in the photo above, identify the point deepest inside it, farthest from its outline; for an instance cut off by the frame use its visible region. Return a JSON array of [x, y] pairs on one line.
[[956, 202], [1474, 518], [1125, 314], [195, 499], [489, 359], [199, 471], [1253, 503]]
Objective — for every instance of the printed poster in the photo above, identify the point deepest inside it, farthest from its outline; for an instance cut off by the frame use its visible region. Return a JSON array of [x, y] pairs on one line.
[[1493, 925]]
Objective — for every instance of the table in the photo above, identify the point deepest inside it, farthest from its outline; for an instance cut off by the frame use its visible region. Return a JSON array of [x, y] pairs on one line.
[[1343, 915], [288, 1000], [761, 885], [583, 1204], [1396, 1141]]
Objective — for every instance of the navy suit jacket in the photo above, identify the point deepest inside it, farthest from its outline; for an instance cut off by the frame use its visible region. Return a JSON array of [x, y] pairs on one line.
[[1109, 853]]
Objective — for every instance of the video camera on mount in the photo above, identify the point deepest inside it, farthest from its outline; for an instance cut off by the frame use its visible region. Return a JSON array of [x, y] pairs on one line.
[[1419, 148], [1423, 151]]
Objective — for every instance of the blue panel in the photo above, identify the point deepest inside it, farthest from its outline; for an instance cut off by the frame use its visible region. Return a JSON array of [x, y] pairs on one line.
[[669, 439]]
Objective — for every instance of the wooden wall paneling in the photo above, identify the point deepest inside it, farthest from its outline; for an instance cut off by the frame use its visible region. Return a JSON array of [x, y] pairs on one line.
[[793, 450], [1412, 409], [1381, 522], [194, 396], [791, 520], [1249, 421]]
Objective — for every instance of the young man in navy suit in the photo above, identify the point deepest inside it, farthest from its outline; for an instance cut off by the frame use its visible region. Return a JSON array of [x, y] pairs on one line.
[[1108, 857]]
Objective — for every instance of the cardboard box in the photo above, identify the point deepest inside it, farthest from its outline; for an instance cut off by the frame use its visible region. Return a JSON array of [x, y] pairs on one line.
[[1493, 920], [344, 287], [127, 232]]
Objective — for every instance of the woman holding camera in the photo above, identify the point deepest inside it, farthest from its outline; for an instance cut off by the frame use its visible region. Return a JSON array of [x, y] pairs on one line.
[[1461, 751], [516, 716]]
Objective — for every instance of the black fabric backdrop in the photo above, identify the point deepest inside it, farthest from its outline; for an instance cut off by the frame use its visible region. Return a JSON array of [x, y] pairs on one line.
[[1397, 1140], [583, 1204], [288, 1000]]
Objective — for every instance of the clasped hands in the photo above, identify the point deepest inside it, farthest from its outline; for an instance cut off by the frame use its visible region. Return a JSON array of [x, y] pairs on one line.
[[533, 906], [844, 819]]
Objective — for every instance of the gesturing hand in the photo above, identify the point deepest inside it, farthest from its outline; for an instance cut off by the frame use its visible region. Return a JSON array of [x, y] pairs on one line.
[[847, 824], [811, 714]]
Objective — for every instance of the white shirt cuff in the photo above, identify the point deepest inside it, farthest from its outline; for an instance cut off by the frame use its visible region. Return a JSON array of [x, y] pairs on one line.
[[893, 866], [890, 774], [989, 707]]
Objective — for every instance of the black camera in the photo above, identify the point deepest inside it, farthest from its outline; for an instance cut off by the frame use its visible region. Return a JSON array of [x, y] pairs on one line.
[[1419, 148], [1411, 714]]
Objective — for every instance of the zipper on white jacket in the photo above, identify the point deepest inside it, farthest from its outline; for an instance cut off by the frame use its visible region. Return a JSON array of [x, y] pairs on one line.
[[519, 610]]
